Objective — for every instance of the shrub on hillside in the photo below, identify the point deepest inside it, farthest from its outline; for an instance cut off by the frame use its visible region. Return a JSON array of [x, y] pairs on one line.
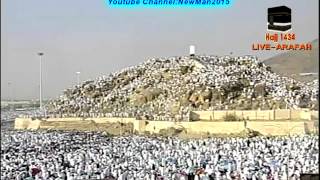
[[231, 117]]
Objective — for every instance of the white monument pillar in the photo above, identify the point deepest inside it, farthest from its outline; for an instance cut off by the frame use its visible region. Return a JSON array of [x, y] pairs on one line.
[[192, 50]]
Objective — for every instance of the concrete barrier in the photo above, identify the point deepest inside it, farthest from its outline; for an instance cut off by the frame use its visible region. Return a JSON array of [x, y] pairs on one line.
[[305, 114], [213, 127], [265, 115], [250, 115], [27, 123], [275, 127], [312, 127], [315, 115], [219, 115], [96, 120], [65, 119], [279, 114], [196, 127], [21, 123], [112, 120], [156, 126]]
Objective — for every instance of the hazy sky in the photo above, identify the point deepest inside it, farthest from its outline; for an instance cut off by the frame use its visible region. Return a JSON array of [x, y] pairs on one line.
[[87, 36]]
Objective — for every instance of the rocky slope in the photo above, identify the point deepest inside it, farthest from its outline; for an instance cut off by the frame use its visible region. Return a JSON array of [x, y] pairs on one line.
[[292, 63], [168, 88]]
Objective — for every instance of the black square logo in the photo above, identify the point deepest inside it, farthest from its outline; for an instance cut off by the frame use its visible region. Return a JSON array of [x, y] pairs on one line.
[[279, 18]]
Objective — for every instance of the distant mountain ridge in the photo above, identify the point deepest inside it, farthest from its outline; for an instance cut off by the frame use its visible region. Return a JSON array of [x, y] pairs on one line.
[[292, 63]]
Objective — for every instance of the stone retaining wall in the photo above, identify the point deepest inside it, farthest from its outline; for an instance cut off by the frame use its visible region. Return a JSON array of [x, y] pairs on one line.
[[279, 114], [195, 127]]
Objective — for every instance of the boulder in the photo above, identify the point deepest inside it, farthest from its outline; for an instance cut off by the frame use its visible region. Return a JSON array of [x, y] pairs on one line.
[[259, 90]]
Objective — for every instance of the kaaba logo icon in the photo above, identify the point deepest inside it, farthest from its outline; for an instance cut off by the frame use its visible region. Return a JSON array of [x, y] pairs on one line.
[[279, 18]]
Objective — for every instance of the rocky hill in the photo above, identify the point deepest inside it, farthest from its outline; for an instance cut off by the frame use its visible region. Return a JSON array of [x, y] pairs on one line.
[[292, 63], [168, 88]]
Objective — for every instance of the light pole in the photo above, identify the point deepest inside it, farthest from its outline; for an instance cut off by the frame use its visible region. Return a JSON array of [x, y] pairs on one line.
[[40, 98], [10, 97], [78, 78]]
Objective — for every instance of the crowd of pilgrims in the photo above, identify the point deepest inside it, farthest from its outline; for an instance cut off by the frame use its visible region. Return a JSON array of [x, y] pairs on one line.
[[155, 87], [50, 155]]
